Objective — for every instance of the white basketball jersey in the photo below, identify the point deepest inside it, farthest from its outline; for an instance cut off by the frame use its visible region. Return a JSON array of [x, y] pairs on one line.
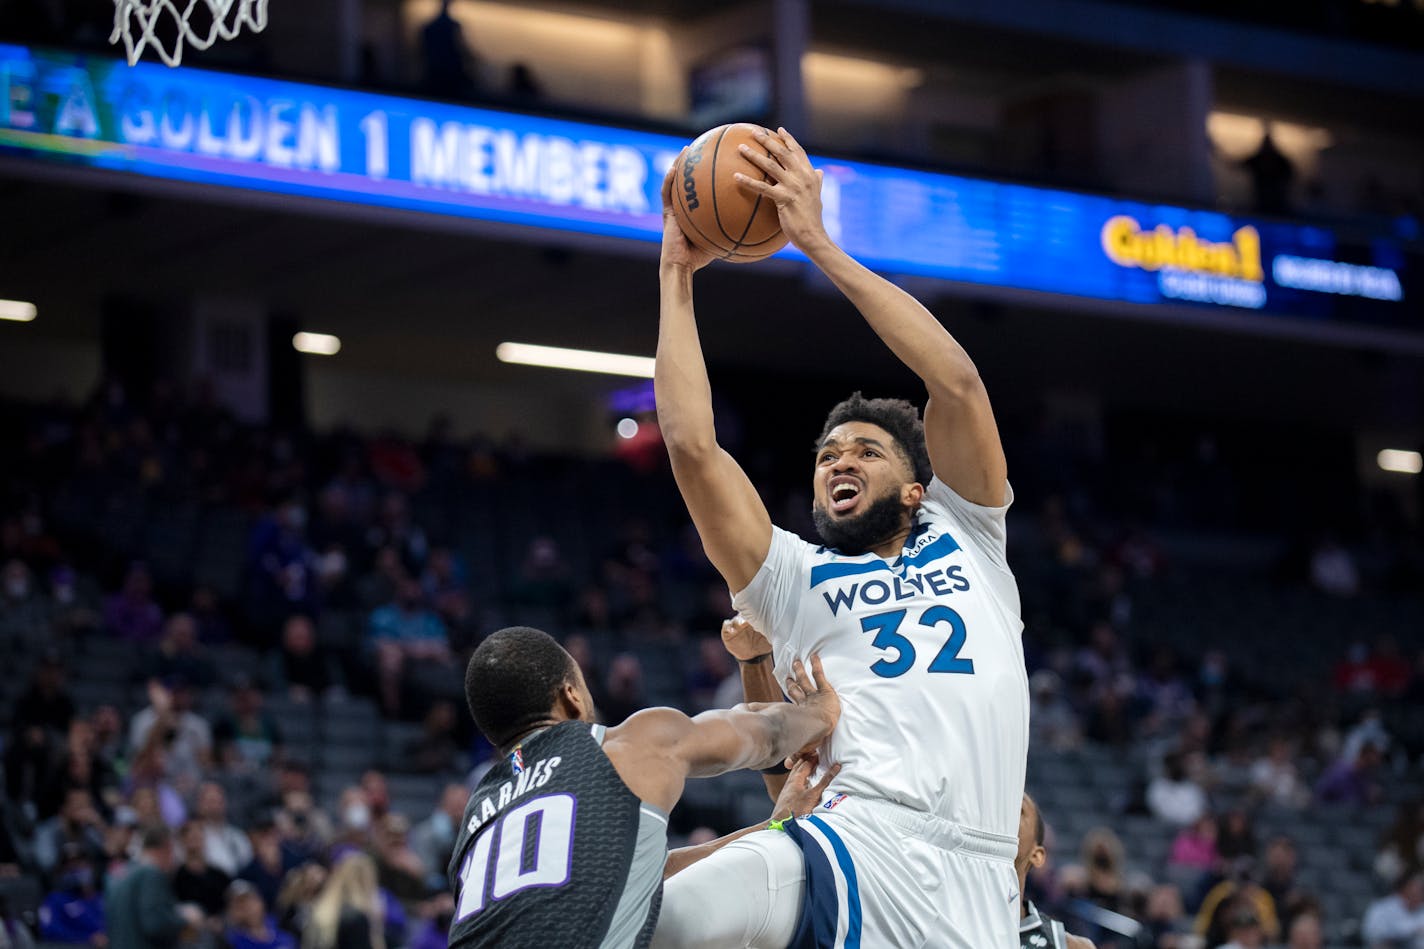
[[926, 652]]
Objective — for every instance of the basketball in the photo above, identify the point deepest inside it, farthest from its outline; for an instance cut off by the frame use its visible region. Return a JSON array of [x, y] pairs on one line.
[[716, 215]]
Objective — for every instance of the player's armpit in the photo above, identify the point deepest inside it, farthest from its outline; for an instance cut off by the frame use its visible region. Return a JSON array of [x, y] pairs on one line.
[[726, 509], [962, 439], [1078, 942]]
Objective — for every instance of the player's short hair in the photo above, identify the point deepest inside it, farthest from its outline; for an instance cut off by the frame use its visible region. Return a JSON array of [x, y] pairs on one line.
[[1039, 830], [898, 417], [511, 681]]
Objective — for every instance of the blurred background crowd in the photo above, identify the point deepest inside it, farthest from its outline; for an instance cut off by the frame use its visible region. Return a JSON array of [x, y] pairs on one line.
[[236, 655], [239, 578]]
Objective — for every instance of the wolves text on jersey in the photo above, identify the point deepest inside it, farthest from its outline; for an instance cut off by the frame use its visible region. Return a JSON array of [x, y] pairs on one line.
[[877, 592], [530, 778]]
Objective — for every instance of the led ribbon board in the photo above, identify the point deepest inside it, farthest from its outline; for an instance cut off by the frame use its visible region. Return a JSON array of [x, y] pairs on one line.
[[387, 151]]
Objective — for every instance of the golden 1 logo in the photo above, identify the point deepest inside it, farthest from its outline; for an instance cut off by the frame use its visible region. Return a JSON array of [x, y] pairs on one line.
[[1128, 245]]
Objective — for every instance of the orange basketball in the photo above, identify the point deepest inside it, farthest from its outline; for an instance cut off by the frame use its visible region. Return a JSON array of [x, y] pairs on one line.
[[715, 214]]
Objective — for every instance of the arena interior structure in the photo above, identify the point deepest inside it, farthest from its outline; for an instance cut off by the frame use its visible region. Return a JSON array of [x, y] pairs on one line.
[[1181, 241]]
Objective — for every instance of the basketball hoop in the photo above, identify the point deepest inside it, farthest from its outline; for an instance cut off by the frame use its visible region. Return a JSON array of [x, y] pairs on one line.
[[136, 20]]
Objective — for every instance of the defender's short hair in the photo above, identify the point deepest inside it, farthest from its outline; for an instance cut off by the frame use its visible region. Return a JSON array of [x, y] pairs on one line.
[[898, 417], [512, 679]]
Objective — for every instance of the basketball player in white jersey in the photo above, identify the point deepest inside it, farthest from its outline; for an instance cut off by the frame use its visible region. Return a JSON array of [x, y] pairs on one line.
[[910, 604]]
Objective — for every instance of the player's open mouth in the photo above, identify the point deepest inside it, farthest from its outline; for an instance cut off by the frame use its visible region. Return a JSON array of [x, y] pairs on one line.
[[845, 494]]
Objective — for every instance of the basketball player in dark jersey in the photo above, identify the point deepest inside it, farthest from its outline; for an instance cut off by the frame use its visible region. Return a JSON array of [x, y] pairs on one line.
[[564, 842], [1037, 931]]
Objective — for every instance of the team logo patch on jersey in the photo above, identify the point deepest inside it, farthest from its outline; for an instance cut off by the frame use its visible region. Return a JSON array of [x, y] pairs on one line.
[[831, 803], [516, 761]]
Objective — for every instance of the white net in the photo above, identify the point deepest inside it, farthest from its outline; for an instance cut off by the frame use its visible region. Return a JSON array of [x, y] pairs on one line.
[[137, 23]]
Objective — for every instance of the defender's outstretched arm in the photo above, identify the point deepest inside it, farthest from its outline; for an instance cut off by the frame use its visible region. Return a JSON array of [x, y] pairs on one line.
[[657, 749]]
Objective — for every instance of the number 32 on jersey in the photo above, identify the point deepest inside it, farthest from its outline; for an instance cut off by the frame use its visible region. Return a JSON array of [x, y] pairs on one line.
[[886, 627]]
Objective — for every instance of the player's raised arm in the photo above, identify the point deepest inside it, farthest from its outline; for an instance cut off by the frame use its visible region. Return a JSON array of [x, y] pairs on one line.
[[729, 514], [960, 433], [670, 747]]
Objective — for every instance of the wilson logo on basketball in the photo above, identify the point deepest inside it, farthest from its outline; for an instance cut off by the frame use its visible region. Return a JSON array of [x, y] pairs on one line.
[[689, 168]]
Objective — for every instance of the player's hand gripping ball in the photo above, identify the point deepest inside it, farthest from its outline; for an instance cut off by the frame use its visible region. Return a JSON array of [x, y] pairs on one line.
[[718, 216]]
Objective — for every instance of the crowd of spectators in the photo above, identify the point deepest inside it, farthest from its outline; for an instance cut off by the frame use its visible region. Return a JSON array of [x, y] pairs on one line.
[[193, 794], [130, 834]]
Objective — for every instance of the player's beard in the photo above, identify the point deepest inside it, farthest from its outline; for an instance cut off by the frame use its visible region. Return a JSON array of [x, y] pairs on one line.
[[881, 519]]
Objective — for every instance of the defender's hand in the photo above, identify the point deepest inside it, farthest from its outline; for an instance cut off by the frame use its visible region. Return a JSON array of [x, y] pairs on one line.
[[743, 640], [798, 795], [678, 252], [814, 694], [795, 186]]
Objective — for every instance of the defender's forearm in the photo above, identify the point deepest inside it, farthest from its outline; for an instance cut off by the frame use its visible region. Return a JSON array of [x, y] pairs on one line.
[[786, 730]]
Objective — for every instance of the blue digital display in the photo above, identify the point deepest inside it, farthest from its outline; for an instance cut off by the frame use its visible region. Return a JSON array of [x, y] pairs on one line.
[[387, 151]]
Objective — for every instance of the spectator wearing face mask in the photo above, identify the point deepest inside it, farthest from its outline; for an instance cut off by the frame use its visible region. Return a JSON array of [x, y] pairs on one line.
[[433, 839], [73, 911], [354, 816]]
